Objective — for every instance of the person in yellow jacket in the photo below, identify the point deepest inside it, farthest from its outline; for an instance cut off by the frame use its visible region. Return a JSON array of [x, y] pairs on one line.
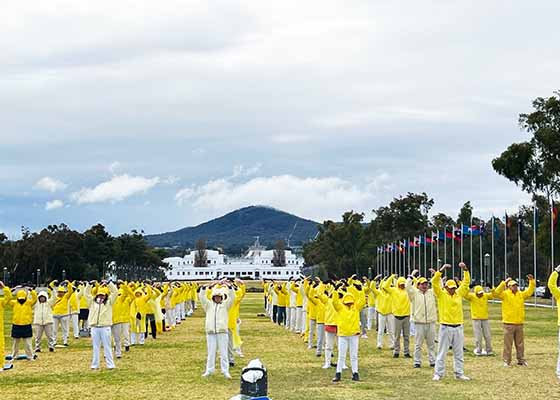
[[74, 305], [121, 321], [100, 301], [282, 293], [348, 332], [4, 301], [234, 340], [555, 291], [371, 313], [22, 320], [424, 315], [331, 323], [481, 325], [314, 297], [84, 310], [311, 313], [43, 321], [450, 309], [152, 312], [296, 287], [513, 317], [61, 308], [139, 307], [401, 311], [384, 313]]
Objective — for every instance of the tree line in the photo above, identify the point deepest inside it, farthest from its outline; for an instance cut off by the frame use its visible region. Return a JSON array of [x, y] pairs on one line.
[[58, 252]]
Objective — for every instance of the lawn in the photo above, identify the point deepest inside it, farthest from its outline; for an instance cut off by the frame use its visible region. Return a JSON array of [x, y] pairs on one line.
[[171, 367]]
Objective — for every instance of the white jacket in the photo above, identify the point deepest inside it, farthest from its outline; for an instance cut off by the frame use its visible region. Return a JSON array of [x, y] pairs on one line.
[[217, 315], [42, 312], [422, 305]]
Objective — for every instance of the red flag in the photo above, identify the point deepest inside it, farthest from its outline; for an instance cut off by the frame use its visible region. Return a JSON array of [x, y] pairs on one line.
[[554, 214]]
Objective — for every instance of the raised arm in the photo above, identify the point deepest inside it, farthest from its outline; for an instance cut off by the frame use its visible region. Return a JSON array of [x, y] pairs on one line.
[[531, 289], [465, 283], [553, 283]]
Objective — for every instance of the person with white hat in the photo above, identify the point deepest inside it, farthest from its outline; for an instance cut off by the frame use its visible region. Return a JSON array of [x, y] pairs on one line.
[[513, 317], [216, 325], [478, 300], [43, 321], [424, 315], [61, 308], [555, 291], [450, 309]]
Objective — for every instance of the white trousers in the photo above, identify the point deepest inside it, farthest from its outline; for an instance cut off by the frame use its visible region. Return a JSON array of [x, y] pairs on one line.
[[299, 320], [427, 333], [320, 338], [137, 338], [101, 336], [330, 338], [481, 329], [217, 342], [558, 364], [312, 327], [75, 325], [386, 321], [170, 317], [454, 337], [370, 317], [288, 318], [63, 321], [345, 344], [292, 312], [38, 331], [121, 335]]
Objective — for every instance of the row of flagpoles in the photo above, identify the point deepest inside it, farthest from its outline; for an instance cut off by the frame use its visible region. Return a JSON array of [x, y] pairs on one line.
[[402, 256]]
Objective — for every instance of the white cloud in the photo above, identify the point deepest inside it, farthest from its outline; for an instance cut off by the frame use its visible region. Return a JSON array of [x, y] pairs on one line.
[[54, 204], [242, 171], [315, 198], [114, 190], [114, 167], [50, 184], [171, 180]]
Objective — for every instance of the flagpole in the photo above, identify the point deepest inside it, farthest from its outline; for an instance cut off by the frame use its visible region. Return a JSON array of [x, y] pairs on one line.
[[552, 241], [425, 253], [431, 253], [519, 249], [445, 245], [493, 222], [408, 252], [470, 257], [480, 248], [453, 250], [505, 247], [437, 249], [535, 227], [462, 239], [414, 254]]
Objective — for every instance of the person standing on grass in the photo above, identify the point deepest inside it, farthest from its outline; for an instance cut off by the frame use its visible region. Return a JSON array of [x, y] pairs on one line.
[[4, 301], [234, 340], [384, 310], [311, 313], [513, 317], [283, 298], [43, 321], [371, 300], [121, 320], [61, 308], [424, 315], [74, 317], [348, 332], [401, 311], [216, 324], [450, 308], [555, 291], [22, 320], [481, 325], [100, 300]]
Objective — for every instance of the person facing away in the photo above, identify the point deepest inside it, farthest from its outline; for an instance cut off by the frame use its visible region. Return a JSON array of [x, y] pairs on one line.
[[555, 291]]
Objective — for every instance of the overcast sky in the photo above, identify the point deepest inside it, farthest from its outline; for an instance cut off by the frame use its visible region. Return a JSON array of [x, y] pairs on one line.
[[159, 115]]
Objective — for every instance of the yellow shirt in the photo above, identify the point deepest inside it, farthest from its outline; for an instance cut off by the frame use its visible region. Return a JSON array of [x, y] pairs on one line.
[[479, 305], [554, 290], [384, 303], [348, 317], [23, 313], [513, 305], [450, 308], [400, 302]]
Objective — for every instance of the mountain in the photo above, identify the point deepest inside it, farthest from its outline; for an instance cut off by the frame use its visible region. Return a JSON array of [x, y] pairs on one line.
[[238, 229]]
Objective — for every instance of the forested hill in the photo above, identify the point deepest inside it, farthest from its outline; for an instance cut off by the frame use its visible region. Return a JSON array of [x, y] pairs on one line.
[[239, 228]]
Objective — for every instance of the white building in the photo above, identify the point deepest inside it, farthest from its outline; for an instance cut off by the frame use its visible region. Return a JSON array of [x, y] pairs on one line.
[[256, 264]]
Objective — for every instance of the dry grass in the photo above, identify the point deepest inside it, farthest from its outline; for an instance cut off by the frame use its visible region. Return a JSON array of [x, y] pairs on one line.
[[170, 368]]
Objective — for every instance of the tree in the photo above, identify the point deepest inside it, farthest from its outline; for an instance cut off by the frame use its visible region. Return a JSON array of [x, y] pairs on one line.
[[535, 165], [465, 214], [279, 254], [201, 255]]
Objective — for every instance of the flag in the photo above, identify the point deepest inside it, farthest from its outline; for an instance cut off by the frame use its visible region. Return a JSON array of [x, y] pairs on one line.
[[554, 215], [435, 236], [495, 228], [448, 235], [457, 233], [507, 225], [482, 228], [466, 230], [520, 226], [474, 230]]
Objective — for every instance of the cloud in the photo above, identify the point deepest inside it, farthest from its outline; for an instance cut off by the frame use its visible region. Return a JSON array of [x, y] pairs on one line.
[[50, 184], [114, 167], [54, 204], [171, 180], [242, 171], [114, 190], [316, 198]]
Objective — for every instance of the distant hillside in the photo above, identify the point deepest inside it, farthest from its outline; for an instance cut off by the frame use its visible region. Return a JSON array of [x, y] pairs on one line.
[[239, 228]]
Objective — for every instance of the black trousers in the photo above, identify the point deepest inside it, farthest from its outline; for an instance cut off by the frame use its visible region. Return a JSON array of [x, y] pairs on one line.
[[274, 313], [151, 320], [281, 319]]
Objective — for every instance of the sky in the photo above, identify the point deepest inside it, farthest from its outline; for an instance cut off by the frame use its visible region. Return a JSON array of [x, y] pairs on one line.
[[160, 115]]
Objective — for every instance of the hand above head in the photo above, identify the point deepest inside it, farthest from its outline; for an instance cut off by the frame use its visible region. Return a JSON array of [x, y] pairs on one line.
[[557, 269], [1, 285], [415, 273], [444, 267], [432, 271], [463, 266], [530, 277]]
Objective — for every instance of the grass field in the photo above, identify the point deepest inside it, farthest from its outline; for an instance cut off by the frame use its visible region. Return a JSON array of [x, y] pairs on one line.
[[171, 367]]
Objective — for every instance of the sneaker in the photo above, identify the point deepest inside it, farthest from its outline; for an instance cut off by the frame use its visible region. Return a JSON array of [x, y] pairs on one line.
[[345, 367], [407, 355], [227, 375], [51, 349], [8, 358], [436, 378], [416, 365], [232, 364], [462, 377], [7, 367], [483, 353], [37, 350], [522, 363], [477, 352], [207, 374], [490, 353], [326, 366], [239, 353], [356, 377], [126, 348], [364, 336], [396, 355], [432, 365], [506, 365], [318, 354], [337, 377], [379, 347]]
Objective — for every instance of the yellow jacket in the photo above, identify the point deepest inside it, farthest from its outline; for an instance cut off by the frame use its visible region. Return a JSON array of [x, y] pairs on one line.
[[233, 312], [61, 306], [383, 298], [314, 297], [399, 297], [311, 309], [74, 303], [283, 296], [348, 316], [331, 316], [554, 290], [121, 307], [450, 308], [23, 313], [479, 305], [513, 305]]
